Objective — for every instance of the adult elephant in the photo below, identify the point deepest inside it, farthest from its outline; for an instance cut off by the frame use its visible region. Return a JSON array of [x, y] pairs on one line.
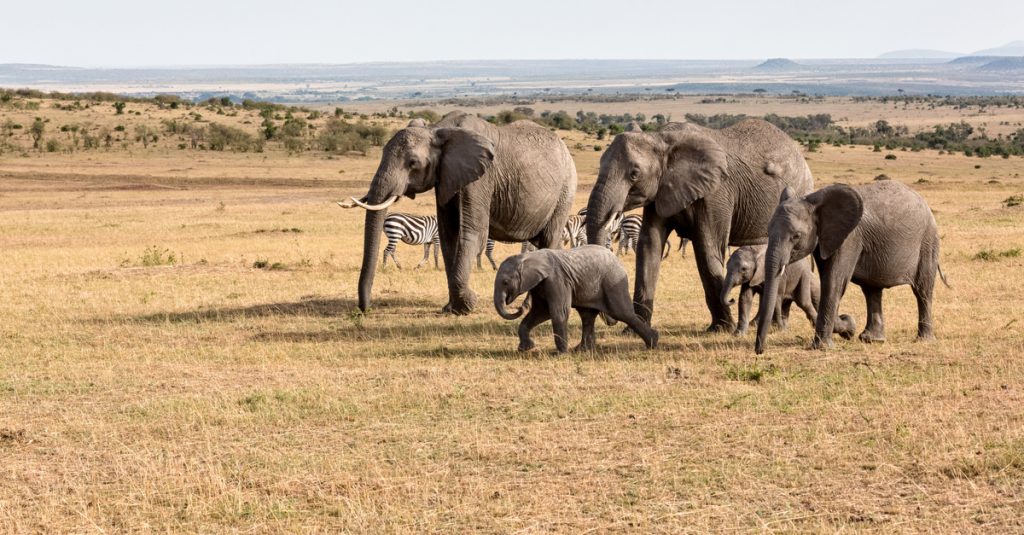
[[715, 188], [513, 182]]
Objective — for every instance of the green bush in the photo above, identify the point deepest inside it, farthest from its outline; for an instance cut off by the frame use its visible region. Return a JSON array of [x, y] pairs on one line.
[[222, 137]]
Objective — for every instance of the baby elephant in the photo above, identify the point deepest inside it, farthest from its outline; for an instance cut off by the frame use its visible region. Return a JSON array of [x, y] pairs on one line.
[[798, 284], [588, 278]]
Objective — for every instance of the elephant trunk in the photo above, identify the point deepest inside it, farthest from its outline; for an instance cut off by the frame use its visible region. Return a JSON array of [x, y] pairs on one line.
[[500, 299], [731, 281], [601, 208], [371, 245], [776, 259]]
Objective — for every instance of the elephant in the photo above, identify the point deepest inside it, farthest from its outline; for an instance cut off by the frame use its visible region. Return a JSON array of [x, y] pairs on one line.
[[513, 182], [878, 235], [798, 285], [715, 188], [588, 278]]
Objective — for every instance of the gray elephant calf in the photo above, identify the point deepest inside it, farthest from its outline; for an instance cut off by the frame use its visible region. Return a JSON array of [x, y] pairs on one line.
[[798, 284], [588, 278]]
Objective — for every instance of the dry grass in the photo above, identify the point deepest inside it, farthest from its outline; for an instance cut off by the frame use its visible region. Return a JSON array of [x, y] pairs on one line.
[[207, 395]]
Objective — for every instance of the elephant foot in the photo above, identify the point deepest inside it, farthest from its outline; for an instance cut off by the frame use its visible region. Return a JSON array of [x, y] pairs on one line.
[[584, 347], [652, 341], [821, 343], [846, 327], [869, 338], [926, 337], [739, 331], [721, 326], [460, 306], [526, 346]]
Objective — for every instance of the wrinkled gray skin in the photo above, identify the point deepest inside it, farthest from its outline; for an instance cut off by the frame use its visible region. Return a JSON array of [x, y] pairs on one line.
[[713, 187], [798, 285], [877, 235], [515, 182], [588, 278]]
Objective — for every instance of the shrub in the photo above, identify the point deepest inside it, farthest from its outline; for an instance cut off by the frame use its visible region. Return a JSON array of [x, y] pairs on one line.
[[890, 156], [222, 137], [119, 107], [37, 130], [53, 145]]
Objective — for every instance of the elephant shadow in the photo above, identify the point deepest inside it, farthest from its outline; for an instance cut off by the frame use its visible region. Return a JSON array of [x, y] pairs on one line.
[[311, 307]]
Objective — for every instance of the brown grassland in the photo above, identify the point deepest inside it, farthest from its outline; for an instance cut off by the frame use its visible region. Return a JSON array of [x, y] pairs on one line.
[[153, 379]]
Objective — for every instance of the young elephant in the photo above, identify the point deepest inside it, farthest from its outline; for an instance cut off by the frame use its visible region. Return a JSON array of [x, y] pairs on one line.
[[877, 235], [745, 268], [588, 278]]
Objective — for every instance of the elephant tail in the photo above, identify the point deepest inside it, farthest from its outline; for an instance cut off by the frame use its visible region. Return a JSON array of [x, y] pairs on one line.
[[943, 277], [608, 320]]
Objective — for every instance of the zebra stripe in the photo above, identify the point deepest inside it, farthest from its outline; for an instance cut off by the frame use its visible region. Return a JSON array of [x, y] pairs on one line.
[[413, 230], [629, 233], [575, 232]]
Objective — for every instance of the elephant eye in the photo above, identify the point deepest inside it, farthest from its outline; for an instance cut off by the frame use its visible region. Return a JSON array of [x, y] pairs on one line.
[[413, 164], [634, 174]]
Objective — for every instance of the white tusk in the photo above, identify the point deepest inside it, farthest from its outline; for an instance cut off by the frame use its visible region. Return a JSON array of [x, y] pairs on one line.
[[347, 204], [375, 207]]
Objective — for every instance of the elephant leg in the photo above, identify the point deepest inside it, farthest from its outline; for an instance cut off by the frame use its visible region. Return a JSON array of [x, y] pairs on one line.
[[589, 340], [835, 277], [874, 331], [538, 314], [653, 233], [924, 288], [560, 325], [784, 306], [805, 301], [743, 310], [462, 224], [710, 256]]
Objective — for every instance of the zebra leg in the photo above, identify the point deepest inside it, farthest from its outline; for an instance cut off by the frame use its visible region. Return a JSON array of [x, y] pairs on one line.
[[426, 255]]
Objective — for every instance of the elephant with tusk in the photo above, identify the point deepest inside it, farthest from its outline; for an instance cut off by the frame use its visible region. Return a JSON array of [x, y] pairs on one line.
[[715, 188], [513, 182]]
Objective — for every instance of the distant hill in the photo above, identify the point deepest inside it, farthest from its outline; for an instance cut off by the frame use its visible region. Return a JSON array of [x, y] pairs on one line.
[[920, 53], [973, 60], [779, 64], [1015, 48], [1004, 64]]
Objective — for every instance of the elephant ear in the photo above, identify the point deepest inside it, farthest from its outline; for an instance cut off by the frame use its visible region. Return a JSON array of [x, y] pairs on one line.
[[418, 123], [838, 210], [695, 166], [757, 277], [465, 157], [534, 268]]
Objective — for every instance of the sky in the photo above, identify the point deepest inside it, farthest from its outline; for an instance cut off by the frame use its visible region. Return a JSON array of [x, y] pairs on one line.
[[120, 33]]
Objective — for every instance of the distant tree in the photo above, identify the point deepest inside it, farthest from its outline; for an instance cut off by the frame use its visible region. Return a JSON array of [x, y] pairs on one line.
[[119, 106], [37, 130]]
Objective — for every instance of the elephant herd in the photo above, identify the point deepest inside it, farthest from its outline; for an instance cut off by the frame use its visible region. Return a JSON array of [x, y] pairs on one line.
[[745, 185]]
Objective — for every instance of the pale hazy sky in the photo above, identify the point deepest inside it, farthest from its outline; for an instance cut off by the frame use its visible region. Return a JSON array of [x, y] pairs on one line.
[[197, 32]]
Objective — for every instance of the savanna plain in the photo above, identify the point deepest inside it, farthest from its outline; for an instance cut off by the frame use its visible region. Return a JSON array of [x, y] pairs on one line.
[[181, 351]]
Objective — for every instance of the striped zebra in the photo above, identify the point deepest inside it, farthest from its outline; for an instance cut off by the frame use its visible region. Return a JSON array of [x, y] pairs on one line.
[[575, 232], [629, 237], [579, 222], [629, 233], [414, 230], [489, 253]]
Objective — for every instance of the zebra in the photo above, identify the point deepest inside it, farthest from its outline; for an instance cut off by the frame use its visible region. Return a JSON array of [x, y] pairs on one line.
[[414, 230], [575, 232], [629, 233], [629, 237], [489, 253], [579, 223]]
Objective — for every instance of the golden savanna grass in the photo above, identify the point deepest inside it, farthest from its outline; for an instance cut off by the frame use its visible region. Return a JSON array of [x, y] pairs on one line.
[[205, 394]]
